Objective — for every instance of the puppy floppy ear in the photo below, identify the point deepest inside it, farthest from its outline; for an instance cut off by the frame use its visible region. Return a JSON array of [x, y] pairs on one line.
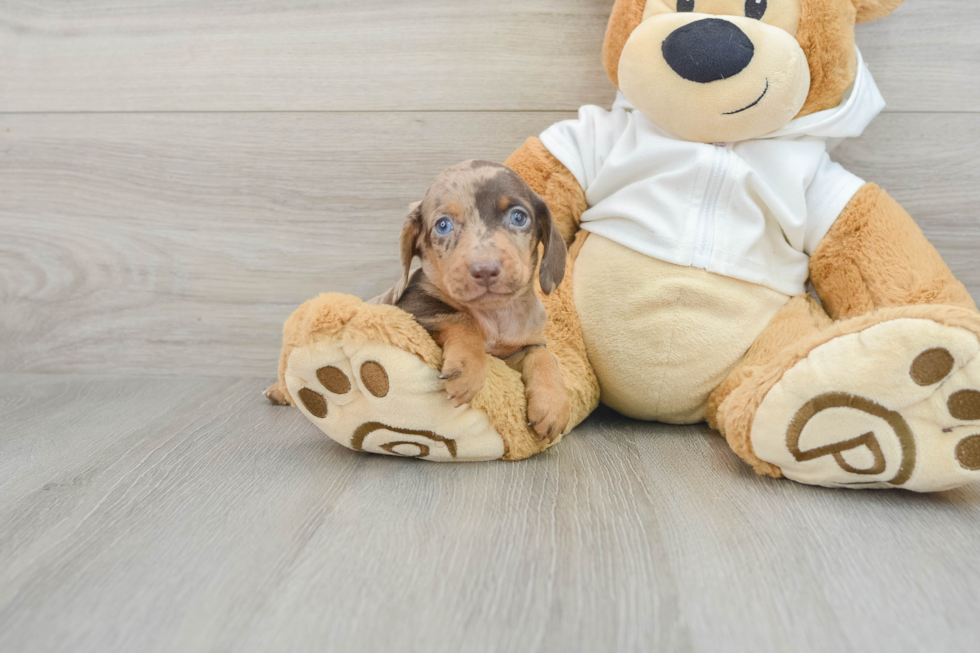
[[552, 269], [874, 9], [411, 231], [409, 250]]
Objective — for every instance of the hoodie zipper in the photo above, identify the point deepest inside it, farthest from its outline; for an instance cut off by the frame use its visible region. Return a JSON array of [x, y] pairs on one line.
[[704, 241]]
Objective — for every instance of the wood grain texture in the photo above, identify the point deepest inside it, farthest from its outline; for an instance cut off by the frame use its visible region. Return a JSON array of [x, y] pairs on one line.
[[180, 243], [370, 55], [184, 515], [152, 509], [338, 55]]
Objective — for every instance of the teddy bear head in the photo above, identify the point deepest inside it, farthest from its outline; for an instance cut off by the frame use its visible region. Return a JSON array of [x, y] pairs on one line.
[[732, 70]]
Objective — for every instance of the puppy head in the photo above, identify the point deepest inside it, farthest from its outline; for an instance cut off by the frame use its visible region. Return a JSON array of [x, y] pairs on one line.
[[477, 232]]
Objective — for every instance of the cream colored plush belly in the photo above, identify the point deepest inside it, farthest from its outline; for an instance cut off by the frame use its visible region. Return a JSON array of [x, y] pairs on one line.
[[660, 336]]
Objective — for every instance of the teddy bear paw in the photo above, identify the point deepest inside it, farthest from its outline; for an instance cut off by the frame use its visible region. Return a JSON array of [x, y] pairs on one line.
[[380, 399], [894, 405]]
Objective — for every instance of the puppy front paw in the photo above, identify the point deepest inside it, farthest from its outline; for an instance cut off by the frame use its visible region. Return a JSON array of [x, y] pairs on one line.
[[548, 412], [464, 377]]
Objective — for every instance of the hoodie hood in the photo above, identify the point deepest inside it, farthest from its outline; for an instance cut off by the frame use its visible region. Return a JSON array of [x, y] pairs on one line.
[[861, 104]]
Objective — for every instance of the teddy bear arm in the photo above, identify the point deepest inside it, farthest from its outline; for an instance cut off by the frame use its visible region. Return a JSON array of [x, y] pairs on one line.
[[875, 256], [552, 181]]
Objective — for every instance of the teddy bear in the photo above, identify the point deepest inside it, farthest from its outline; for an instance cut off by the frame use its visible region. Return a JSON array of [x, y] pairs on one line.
[[699, 211]]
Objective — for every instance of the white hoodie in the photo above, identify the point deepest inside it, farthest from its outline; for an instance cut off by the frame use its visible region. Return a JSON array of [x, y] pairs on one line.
[[753, 210]]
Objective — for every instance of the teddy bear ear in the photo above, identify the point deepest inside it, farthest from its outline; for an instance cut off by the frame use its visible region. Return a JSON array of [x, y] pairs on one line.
[[626, 16], [875, 9]]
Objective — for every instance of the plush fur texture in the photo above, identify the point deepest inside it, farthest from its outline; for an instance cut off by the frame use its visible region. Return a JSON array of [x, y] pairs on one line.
[[826, 34], [774, 81], [798, 320], [695, 326], [874, 265], [331, 315], [876, 256], [626, 17], [875, 9], [802, 325]]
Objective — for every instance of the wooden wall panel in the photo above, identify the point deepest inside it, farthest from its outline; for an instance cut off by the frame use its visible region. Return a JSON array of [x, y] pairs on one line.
[[374, 55]]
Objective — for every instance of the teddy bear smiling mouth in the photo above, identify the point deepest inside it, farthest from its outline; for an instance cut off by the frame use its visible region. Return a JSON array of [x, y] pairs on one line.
[[732, 113]]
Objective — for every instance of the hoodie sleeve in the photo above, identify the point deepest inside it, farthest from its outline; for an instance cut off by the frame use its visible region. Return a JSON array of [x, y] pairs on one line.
[[582, 144], [829, 192]]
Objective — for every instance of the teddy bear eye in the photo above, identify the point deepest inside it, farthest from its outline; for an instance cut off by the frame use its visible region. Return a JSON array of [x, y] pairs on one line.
[[685, 5], [756, 8]]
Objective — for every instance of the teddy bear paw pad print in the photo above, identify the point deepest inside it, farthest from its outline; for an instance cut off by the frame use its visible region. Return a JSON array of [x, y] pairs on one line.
[[380, 399], [896, 405]]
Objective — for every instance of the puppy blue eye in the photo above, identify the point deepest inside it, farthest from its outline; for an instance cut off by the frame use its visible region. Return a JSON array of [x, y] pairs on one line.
[[685, 5], [518, 218], [444, 226]]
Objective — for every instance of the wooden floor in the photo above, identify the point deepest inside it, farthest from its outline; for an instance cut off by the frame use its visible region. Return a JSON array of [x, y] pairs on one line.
[[177, 176]]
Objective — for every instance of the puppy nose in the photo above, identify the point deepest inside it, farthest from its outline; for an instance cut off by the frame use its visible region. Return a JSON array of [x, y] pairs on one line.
[[485, 272], [708, 50]]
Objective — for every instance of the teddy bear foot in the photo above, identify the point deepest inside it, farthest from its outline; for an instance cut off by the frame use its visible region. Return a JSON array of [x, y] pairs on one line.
[[368, 377], [381, 399], [893, 405]]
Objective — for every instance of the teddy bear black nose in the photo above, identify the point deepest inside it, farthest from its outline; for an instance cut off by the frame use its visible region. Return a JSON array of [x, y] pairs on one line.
[[708, 50]]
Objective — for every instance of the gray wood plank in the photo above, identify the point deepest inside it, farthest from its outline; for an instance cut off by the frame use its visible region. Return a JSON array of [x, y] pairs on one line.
[[918, 60], [180, 243], [229, 55], [216, 522]]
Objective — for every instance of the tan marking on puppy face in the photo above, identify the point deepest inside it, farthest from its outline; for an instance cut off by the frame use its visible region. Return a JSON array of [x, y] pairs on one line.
[[480, 229], [454, 209]]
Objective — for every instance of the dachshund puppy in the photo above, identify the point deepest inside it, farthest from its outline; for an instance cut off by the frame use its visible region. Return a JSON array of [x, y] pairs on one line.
[[477, 232]]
